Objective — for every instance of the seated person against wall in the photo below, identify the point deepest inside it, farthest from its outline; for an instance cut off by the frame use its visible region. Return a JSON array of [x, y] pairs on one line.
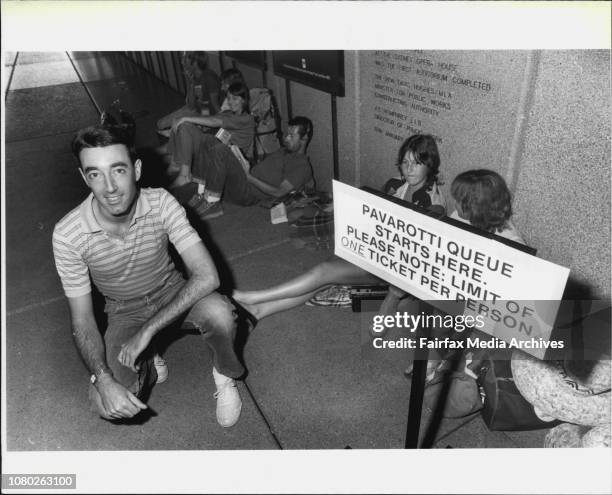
[[419, 163], [202, 96], [221, 175], [188, 142], [228, 77], [119, 236], [482, 199], [556, 389]]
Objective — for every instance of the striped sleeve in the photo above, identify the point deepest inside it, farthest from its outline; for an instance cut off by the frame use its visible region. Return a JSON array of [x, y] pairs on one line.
[[182, 235], [71, 268]]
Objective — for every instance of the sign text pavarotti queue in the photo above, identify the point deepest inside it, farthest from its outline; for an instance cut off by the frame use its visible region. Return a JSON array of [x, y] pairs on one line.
[[445, 267], [441, 262]]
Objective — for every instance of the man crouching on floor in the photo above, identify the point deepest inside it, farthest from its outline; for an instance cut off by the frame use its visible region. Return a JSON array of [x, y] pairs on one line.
[[119, 235]]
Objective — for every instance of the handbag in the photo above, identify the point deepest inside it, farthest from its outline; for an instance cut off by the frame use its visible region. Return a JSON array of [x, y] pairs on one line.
[[504, 408], [455, 393]]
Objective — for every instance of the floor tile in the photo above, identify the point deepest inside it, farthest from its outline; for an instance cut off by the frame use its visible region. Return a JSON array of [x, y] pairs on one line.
[[26, 58], [33, 206], [9, 58], [474, 435], [109, 66], [527, 439], [47, 406], [37, 112], [40, 74], [309, 374], [80, 55]]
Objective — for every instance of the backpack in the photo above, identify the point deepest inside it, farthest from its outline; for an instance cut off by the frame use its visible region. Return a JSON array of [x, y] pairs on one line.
[[118, 118], [268, 133]]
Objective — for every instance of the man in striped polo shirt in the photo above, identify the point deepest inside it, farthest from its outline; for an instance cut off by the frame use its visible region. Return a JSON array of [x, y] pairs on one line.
[[119, 236]]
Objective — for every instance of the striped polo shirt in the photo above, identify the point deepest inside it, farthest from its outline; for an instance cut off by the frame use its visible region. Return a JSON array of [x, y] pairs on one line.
[[124, 268]]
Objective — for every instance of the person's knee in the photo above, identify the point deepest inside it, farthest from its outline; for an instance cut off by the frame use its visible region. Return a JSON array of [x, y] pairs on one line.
[[214, 314]]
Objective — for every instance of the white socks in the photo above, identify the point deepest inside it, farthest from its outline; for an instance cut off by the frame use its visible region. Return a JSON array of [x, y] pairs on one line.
[[210, 197], [220, 379]]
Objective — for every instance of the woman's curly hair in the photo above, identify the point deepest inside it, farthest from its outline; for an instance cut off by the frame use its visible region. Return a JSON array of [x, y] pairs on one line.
[[484, 199]]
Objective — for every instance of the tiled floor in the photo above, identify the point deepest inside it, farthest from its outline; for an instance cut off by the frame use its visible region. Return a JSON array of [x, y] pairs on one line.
[[307, 370]]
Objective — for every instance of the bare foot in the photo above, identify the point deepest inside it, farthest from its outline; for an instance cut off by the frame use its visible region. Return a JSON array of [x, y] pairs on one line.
[[254, 309], [242, 296]]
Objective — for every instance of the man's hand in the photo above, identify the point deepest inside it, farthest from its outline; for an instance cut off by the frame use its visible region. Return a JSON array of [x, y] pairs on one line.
[[132, 348], [117, 402]]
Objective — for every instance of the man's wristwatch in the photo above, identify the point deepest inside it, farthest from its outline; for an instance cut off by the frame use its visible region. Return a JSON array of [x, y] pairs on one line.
[[95, 376]]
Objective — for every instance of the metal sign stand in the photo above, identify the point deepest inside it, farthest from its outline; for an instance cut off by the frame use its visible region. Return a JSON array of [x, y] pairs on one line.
[[417, 388], [288, 97], [334, 116]]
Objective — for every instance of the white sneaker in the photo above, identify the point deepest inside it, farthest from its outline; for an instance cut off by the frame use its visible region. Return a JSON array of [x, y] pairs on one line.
[[229, 404], [161, 367]]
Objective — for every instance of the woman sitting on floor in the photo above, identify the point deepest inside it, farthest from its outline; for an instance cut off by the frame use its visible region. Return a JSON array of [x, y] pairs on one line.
[[573, 390], [419, 163], [483, 200], [188, 142]]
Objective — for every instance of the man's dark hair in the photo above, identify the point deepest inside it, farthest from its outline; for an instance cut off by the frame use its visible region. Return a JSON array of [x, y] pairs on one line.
[[484, 199], [231, 76], [425, 151], [305, 127], [100, 136], [240, 89]]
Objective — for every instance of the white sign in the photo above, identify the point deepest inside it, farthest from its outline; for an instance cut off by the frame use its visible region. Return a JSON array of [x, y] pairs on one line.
[[516, 294]]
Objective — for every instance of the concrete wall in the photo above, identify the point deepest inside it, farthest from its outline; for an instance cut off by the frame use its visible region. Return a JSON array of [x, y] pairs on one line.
[[562, 194], [539, 118]]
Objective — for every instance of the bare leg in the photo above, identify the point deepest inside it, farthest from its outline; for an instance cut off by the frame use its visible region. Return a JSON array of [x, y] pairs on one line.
[[333, 271], [261, 310], [392, 300]]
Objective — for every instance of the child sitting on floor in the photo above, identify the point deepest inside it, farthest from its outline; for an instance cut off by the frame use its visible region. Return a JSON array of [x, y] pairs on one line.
[[483, 200]]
